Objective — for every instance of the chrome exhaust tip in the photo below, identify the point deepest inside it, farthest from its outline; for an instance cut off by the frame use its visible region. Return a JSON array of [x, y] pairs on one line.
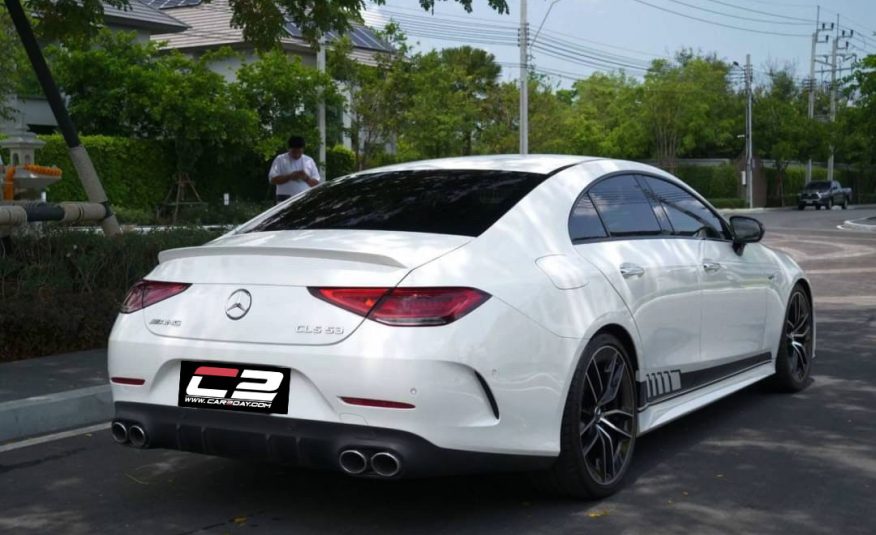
[[385, 464], [353, 462], [119, 432], [137, 436]]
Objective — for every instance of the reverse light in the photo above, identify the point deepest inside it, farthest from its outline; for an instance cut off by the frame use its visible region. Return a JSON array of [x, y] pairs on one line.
[[405, 307], [146, 293]]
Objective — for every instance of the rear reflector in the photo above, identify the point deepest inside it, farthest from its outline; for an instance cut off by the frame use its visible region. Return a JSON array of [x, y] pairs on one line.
[[364, 402], [405, 306], [146, 293], [128, 381]]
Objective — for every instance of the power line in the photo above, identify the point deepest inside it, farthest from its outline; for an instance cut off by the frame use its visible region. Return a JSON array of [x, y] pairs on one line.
[[740, 17], [734, 6], [590, 61], [479, 22], [549, 44], [465, 18], [720, 23]]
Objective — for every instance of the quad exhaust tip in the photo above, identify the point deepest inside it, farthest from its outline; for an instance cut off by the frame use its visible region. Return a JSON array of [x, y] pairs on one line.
[[119, 432], [353, 462], [137, 436], [385, 464]]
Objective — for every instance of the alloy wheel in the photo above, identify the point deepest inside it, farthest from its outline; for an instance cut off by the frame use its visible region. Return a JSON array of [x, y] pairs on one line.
[[607, 424], [798, 335]]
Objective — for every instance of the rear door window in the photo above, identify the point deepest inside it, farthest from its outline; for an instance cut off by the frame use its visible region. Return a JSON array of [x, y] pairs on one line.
[[436, 201], [623, 207]]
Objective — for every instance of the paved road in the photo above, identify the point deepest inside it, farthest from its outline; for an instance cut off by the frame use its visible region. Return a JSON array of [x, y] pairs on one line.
[[756, 462]]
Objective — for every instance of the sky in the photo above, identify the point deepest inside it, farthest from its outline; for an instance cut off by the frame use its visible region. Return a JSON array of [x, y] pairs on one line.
[[579, 37]]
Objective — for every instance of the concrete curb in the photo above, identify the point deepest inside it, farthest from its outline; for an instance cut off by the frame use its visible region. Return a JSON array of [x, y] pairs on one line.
[[53, 412], [783, 208], [856, 224]]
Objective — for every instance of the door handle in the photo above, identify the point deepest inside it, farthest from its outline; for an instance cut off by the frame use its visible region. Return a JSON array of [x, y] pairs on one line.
[[631, 270], [711, 267]]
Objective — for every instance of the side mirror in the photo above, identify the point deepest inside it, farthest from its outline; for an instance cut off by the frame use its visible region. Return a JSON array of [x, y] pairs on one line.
[[745, 230]]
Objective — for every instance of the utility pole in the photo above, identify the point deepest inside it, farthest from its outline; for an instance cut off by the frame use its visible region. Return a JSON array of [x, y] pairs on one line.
[[524, 80], [816, 40], [832, 95], [78, 155], [320, 110], [834, 69], [749, 149]]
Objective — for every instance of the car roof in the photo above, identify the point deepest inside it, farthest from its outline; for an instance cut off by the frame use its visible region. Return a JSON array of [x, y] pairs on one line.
[[533, 163]]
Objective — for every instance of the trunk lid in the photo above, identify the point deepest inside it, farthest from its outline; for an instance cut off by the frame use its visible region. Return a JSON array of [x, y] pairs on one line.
[[268, 273]]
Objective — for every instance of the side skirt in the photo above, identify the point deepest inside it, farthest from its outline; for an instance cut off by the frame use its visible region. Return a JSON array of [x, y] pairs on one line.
[[669, 407]]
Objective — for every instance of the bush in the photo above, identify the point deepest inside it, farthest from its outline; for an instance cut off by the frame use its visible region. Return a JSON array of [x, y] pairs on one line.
[[61, 291], [728, 202], [713, 181], [340, 161], [136, 173]]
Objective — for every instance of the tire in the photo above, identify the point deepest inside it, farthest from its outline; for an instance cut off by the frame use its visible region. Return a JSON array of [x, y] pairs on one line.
[[801, 207], [829, 205], [845, 203], [794, 354], [582, 469]]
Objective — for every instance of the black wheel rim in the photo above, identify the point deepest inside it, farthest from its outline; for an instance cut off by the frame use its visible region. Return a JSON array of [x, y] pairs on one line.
[[798, 335], [607, 423]]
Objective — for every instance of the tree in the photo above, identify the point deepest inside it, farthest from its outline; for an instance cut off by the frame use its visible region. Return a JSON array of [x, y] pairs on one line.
[[16, 76], [262, 21], [285, 94], [473, 73], [126, 88], [685, 104], [607, 117], [110, 83], [379, 94], [783, 131]]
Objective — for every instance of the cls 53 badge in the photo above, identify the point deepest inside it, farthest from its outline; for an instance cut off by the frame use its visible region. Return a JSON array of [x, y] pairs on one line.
[[319, 329]]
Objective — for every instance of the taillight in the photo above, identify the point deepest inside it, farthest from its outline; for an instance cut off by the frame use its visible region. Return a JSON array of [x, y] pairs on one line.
[[356, 300], [146, 293], [405, 306]]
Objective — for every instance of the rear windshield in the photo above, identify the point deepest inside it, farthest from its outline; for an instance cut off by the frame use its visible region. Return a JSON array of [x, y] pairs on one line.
[[818, 186], [437, 201]]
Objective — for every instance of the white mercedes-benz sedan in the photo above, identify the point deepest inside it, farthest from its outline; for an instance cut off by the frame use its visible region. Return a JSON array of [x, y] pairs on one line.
[[533, 313]]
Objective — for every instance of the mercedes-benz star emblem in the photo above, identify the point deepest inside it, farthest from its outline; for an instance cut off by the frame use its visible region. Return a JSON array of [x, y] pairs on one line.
[[238, 304]]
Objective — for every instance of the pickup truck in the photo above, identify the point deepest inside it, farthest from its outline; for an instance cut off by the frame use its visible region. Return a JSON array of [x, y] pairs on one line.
[[824, 193]]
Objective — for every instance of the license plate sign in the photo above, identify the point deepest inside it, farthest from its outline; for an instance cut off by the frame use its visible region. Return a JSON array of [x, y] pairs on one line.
[[234, 387]]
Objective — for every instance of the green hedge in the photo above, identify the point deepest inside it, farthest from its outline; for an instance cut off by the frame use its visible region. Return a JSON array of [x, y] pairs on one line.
[[135, 173], [339, 161], [862, 182], [728, 202], [712, 182], [61, 291]]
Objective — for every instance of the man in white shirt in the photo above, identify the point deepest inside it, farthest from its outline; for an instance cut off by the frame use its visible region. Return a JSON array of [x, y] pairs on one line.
[[293, 171]]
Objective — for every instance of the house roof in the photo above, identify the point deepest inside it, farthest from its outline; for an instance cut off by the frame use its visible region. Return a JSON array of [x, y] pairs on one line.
[[139, 15], [210, 25]]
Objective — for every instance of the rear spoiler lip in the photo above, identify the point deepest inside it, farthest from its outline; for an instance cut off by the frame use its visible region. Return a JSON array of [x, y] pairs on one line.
[[302, 252]]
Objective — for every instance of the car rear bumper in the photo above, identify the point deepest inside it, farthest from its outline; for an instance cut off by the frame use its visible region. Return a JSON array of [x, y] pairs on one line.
[[306, 443]]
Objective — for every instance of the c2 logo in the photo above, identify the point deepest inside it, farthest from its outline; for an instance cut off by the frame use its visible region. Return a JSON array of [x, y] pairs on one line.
[[265, 390]]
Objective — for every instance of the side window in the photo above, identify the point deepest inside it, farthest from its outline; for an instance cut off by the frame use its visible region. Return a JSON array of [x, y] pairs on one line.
[[687, 215], [624, 207], [584, 224]]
